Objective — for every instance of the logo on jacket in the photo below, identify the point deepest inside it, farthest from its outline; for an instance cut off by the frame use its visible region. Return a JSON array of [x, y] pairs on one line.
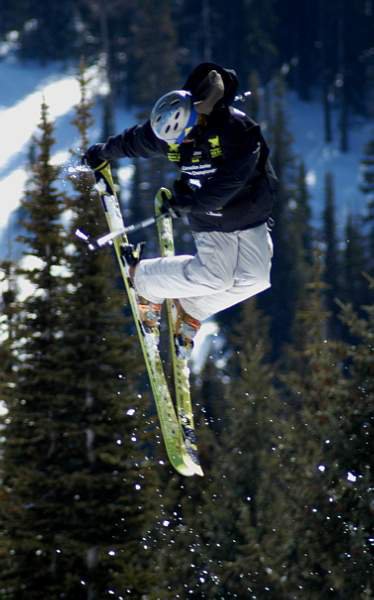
[[215, 146]]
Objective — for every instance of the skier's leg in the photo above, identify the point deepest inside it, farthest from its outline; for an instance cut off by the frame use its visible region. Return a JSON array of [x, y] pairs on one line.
[[209, 272], [251, 275]]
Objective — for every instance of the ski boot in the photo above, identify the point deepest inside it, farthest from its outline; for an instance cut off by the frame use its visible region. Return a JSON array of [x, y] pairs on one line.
[[186, 327], [149, 312], [150, 315], [131, 256]]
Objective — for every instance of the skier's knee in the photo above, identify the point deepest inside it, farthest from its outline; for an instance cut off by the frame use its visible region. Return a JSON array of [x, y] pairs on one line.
[[223, 281], [263, 283]]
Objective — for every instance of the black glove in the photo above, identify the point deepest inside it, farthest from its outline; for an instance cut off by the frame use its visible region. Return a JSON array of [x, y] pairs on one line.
[[168, 204], [182, 200], [93, 156], [177, 207]]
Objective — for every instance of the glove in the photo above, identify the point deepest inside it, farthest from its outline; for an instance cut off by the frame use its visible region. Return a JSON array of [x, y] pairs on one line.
[[183, 201], [93, 156], [177, 204]]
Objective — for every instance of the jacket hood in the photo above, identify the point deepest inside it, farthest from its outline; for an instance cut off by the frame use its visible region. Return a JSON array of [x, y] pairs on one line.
[[196, 82]]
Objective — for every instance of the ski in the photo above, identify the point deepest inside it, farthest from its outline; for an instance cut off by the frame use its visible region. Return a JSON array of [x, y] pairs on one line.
[[178, 454], [180, 368]]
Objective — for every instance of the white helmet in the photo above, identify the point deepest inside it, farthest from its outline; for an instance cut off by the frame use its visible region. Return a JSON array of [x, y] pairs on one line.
[[173, 116]]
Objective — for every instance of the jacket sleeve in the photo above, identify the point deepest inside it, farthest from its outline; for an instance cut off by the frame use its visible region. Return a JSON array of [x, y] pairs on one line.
[[137, 141], [242, 149]]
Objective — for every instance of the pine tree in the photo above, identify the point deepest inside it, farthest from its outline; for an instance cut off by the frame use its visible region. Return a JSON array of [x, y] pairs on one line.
[[291, 234], [209, 397], [300, 237], [257, 24], [332, 269], [355, 289], [30, 433], [153, 53], [50, 33], [183, 530], [154, 72], [8, 320], [224, 521], [77, 465], [240, 513], [354, 456], [8, 367], [367, 186], [315, 536], [116, 465]]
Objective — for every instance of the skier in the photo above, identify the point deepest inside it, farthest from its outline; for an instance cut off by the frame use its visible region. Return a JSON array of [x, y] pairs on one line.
[[226, 189]]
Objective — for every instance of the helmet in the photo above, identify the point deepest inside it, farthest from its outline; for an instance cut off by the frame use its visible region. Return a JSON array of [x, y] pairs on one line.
[[173, 116]]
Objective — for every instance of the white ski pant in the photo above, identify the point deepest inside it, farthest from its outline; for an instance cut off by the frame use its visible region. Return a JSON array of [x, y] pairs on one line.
[[227, 268]]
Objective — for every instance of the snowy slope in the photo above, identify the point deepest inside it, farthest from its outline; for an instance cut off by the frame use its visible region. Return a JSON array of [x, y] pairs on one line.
[[306, 125], [23, 88]]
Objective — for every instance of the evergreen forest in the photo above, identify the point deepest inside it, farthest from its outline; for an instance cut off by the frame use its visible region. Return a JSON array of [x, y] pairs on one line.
[[284, 403]]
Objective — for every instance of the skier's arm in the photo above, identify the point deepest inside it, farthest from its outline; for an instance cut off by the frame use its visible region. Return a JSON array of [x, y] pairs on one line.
[[133, 142], [242, 152]]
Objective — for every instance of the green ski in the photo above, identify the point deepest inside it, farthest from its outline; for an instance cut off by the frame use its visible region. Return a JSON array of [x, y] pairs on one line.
[[181, 372], [177, 451]]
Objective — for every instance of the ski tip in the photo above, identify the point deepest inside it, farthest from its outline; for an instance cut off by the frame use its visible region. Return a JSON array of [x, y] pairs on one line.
[[199, 471], [185, 470], [194, 466], [188, 468]]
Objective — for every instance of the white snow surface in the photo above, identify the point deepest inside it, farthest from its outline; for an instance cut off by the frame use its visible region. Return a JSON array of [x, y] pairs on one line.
[[23, 87], [306, 125]]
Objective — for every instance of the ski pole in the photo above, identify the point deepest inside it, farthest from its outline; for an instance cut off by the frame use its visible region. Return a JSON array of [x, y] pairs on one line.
[[109, 237]]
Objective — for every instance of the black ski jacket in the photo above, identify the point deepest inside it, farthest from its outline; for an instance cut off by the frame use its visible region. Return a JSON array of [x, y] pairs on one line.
[[227, 162]]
